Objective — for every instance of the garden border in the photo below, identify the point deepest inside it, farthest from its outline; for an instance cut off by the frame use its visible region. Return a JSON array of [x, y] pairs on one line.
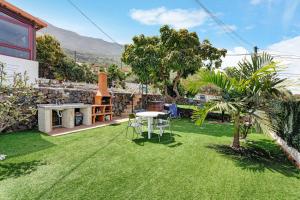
[[292, 154]]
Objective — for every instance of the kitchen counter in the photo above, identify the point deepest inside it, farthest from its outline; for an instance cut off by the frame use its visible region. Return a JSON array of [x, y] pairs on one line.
[[67, 115]]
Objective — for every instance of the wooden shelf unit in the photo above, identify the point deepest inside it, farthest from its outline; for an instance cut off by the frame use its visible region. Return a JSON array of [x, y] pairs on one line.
[[102, 112]]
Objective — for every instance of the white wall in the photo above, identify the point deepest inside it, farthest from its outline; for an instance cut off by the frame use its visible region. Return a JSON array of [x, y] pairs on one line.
[[17, 65]]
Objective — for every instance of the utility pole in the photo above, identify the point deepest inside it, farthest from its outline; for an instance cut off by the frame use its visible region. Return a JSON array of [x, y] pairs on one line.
[[75, 56], [255, 50]]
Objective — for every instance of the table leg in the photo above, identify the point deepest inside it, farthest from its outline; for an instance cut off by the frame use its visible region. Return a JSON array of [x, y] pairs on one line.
[[149, 127]]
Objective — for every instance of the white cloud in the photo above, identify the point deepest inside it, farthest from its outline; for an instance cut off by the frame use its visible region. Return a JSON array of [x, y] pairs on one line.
[[286, 52], [255, 2], [177, 18], [234, 56]]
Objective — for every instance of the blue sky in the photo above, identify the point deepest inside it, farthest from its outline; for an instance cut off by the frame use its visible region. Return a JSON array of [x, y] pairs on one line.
[[261, 22]]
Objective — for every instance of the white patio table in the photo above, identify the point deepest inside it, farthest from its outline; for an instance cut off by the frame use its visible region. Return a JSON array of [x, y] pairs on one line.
[[149, 115]]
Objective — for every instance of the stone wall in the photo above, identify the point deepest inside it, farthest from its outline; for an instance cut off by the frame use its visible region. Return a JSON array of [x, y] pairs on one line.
[[52, 83], [72, 95], [67, 95], [120, 102]]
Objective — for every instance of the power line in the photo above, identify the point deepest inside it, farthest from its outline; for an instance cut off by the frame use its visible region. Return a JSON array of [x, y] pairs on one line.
[[287, 57], [239, 54], [233, 34], [91, 21], [280, 52]]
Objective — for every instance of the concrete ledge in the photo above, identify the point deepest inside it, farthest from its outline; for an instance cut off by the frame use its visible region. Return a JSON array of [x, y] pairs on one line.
[[65, 131]]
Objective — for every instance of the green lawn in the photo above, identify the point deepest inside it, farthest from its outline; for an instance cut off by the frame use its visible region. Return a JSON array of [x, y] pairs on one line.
[[102, 164]]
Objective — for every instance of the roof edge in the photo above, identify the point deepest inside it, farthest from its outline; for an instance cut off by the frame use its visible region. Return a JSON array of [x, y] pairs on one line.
[[39, 23]]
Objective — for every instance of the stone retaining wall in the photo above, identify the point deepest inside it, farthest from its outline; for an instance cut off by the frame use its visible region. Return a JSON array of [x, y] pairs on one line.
[[120, 102], [73, 95], [67, 95]]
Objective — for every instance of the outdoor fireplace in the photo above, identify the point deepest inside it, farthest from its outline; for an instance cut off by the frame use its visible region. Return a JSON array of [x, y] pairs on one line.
[[102, 108]]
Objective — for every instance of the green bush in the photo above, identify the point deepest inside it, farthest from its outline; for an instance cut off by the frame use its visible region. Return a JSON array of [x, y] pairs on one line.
[[67, 69], [286, 116], [17, 102]]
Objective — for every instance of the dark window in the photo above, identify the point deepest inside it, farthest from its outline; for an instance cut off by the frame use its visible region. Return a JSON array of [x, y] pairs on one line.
[[15, 37], [14, 34], [14, 52]]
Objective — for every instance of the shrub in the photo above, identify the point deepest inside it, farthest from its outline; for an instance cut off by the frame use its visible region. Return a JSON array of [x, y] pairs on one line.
[[17, 102], [286, 116]]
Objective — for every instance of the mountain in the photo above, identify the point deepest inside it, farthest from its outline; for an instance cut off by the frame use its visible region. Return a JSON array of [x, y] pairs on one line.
[[88, 49]]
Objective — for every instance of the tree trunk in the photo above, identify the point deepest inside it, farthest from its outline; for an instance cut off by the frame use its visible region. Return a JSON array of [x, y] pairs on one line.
[[175, 84], [167, 96], [166, 89], [236, 136], [223, 113]]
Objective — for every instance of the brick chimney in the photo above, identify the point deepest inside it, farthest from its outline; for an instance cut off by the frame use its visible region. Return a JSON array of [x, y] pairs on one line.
[[102, 87]]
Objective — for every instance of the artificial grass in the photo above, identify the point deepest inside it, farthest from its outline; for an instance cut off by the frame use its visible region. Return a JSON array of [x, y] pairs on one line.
[[102, 164]]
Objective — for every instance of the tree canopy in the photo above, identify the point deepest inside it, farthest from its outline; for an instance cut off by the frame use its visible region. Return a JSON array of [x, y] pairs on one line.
[[49, 54], [174, 54], [115, 76]]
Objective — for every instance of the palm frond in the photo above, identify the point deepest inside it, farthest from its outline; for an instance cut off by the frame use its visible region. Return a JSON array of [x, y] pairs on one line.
[[246, 67], [218, 79], [199, 115], [263, 71], [263, 122]]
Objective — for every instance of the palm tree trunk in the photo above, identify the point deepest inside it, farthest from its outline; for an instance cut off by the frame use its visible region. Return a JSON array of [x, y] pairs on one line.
[[236, 136]]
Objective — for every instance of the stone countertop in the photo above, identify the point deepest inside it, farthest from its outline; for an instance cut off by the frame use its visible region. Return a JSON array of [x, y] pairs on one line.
[[64, 106]]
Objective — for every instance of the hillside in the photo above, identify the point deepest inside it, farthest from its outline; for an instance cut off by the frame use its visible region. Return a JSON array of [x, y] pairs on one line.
[[88, 49]]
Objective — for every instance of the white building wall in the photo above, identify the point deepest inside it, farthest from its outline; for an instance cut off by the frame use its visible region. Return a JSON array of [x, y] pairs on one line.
[[14, 65]]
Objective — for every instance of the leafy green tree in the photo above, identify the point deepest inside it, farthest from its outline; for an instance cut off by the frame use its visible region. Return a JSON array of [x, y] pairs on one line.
[[53, 63], [115, 76], [211, 56], [143, 55], [247, 92], [64, 70], [49, 55], [67, 69], [173, 55]]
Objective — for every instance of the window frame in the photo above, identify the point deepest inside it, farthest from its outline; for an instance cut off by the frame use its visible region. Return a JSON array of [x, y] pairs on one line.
[[12, 20]]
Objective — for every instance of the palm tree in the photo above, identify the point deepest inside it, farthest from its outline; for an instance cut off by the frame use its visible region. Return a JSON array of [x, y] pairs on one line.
[[244, 91]]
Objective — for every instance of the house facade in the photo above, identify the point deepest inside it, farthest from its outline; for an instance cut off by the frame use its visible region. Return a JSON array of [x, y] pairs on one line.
[[18, 41]]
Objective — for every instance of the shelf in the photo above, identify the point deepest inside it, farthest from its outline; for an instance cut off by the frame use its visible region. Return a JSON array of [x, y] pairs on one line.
[[102, 105], [99, 114]]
